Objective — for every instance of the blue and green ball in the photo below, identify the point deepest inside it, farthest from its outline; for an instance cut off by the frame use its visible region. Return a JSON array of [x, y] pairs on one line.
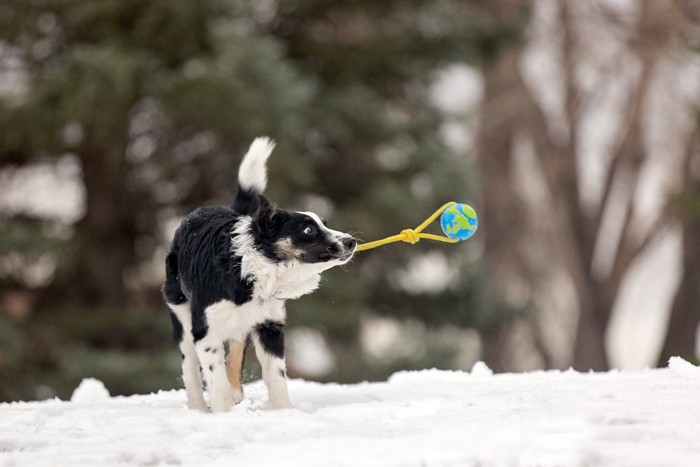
[[459, 221]]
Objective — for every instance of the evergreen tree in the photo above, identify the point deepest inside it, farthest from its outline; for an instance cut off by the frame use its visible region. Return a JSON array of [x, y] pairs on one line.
[[377, 160], [158, 100], [150, 97]]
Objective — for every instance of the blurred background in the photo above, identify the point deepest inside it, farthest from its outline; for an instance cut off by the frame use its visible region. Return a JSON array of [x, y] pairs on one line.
[[571, 126]]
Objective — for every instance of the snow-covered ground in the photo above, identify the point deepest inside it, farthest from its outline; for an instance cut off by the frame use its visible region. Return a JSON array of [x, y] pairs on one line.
[[428, 417]]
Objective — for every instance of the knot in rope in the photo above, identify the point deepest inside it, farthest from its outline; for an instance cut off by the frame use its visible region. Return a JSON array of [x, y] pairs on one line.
[[413, 236], [410, 236]]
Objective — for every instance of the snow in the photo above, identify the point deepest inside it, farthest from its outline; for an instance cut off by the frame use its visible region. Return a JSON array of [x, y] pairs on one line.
[[90, 391], [428, 417], [481, 369], [45, 190]]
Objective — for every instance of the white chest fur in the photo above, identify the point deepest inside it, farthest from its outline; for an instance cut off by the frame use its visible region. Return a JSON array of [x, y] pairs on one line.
[[285, 280]]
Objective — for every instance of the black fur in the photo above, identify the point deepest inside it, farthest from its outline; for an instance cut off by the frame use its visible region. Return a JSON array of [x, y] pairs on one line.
[[172, 291], [214, 272], [177, 328], [247, 202], [271, 336]]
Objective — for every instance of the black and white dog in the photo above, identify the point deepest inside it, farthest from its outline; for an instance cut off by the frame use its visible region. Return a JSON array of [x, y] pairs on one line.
[[228, 274]]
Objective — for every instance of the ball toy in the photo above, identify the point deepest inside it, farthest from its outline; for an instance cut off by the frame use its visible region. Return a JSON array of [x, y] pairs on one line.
[[459, 221]]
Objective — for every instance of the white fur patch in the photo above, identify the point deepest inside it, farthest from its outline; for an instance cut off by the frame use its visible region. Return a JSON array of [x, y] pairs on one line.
[[284, 280], [191, 375], [252, 174], [227, 320], [243, 240], [274, 371]]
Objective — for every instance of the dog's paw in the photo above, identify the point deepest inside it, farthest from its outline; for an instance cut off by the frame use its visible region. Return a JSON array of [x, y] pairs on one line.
[[237, 396], [225, 402], [196, 402], [202, 407], [281, 404]]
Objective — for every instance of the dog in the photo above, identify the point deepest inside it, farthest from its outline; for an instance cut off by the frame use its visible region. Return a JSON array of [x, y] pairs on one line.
[[229, 272]]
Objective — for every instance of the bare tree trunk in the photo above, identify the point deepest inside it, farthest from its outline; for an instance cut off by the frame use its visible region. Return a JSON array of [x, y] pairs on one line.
[[685, 314], [511, 107], [684, 320], [502, 216], [589, 349]]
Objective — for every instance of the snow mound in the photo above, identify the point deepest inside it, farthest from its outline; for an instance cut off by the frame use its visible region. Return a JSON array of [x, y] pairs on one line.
[[433, 375], [90, 391], [481, 369], [683, 367]]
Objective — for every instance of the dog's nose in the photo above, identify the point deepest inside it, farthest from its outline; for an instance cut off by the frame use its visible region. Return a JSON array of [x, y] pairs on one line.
[[349, 243]]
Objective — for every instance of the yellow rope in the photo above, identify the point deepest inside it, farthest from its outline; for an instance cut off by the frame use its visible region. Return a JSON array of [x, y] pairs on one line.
[[413, 236]]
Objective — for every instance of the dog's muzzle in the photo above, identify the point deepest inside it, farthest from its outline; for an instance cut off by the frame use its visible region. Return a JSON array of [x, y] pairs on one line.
[[341, 250]]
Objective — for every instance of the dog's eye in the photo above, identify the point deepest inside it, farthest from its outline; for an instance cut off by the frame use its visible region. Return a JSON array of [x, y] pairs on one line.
[[308, 230]]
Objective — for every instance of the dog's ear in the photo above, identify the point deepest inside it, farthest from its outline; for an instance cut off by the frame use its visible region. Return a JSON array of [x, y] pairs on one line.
[[267, 221]]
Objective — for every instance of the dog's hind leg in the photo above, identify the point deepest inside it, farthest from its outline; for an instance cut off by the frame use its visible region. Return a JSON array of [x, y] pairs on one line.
[[269, 348], [181, 317], [191, 374], [234, 363]]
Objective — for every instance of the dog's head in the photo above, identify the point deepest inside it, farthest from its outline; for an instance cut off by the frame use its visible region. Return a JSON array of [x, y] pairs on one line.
[[300, 236]]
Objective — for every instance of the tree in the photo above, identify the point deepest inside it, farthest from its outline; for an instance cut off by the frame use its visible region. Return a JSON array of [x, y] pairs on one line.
[[133, 90], [563, 232], [684, 318], [681, 335], [157, 101]]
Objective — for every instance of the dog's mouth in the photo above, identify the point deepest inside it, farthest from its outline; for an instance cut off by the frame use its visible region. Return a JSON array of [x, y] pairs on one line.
[[338, 252], [340, 256], [346, 257]]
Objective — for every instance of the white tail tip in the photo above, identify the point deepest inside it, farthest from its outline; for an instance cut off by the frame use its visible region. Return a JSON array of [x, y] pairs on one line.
[[252, 174]]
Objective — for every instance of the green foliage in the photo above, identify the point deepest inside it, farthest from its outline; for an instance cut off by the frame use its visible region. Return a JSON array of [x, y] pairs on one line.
[[687, 203], [29, 236], [123, 372], [129, 350]]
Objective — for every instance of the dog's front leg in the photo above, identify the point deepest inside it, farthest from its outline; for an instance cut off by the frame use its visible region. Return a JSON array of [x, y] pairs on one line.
[[269, 348]]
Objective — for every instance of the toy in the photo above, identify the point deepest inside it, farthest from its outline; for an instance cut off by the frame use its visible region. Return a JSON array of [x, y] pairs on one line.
[[458, 221]]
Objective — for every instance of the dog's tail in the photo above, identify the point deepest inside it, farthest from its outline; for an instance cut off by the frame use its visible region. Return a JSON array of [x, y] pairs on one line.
[[252, 176], [172, 289]]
